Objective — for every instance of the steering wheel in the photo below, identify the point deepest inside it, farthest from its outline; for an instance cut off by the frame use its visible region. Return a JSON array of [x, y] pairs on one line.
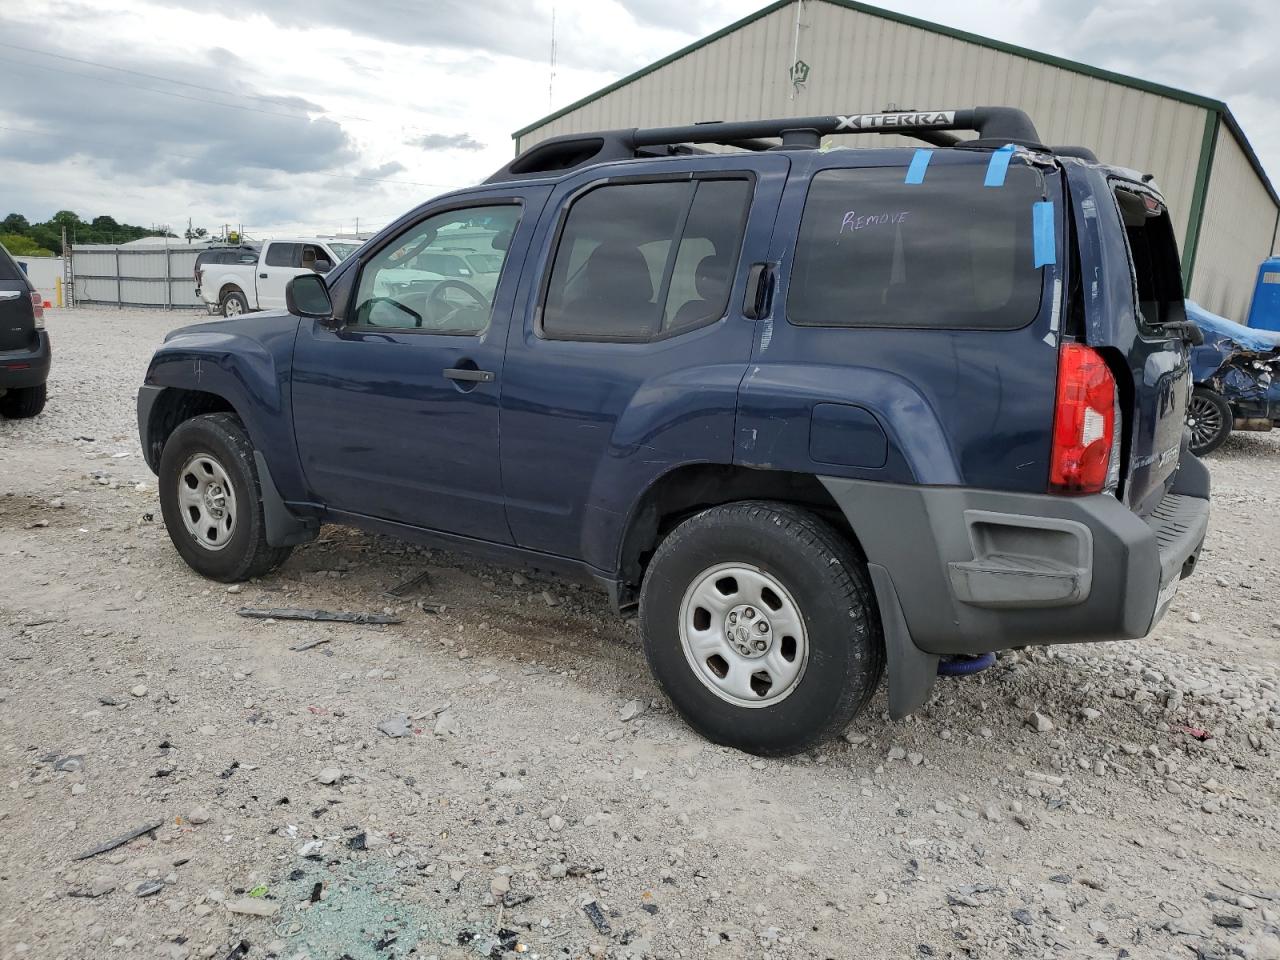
[[368, 306], [436, 301]]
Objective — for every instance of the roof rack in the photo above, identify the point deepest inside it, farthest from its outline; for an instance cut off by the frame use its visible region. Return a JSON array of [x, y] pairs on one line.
[[995, 126]]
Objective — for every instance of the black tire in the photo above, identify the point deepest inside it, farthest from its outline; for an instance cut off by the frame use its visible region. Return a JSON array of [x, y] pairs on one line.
[[239, 302], [828, 582], [246, 553], [1209, 416], [23, 402]]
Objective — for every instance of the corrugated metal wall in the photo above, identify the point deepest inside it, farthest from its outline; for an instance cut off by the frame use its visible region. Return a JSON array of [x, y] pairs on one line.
[[1236, 234], [864, 63], [135, 276]]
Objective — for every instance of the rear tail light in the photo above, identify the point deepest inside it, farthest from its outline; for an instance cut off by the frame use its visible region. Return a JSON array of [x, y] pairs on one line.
[[1085, 456], [37, 306]]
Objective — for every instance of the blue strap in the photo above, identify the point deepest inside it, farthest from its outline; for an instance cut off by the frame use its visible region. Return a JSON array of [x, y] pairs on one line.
[[1046, 248], [998, 166], [919, 164]]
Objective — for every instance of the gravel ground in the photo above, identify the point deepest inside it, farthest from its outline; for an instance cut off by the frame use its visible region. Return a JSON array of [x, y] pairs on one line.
[[1113, 800]]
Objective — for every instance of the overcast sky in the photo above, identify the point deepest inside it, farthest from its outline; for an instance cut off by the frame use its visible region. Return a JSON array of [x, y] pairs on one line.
[[291, 115]]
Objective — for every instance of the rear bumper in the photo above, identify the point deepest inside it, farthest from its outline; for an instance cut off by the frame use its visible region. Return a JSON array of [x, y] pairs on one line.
[[978, 570], [27, 367]]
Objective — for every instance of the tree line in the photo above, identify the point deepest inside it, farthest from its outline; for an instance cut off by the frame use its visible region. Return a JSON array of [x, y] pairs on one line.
[[23, 238]]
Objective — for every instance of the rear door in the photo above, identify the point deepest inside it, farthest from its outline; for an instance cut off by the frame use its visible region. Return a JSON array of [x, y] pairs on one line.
[[1131, 291], [280, 263], [633, 341], [17, 314]]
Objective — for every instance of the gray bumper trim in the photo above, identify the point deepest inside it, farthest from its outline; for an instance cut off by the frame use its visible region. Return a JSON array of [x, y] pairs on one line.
[[981, 570]]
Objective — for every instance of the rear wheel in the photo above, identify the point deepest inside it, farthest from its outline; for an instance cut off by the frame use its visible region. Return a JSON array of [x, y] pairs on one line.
[[234, 303], [1209, 417], [212, 502], [760, 625], [24, 402]]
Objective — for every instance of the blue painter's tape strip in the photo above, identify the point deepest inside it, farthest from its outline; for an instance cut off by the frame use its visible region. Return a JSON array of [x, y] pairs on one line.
[[998, 166], [919, 164], [1046, 247]]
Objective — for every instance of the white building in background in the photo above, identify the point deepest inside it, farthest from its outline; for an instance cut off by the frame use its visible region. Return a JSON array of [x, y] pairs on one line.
[[819, 57]]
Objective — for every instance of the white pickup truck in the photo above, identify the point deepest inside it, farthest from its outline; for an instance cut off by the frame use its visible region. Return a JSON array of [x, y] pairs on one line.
[[234, 280]]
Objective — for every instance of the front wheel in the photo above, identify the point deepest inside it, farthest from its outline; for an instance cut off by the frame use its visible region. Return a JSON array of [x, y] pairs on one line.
[[212, 502], [1209, 417], [23, 402], [759, 624]]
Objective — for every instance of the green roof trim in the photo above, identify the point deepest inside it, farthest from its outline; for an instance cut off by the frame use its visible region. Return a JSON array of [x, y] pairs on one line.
[[1098, 73], [1208, 144]]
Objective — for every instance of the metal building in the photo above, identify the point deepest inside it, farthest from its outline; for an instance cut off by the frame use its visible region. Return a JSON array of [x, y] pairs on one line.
[[814, 57]]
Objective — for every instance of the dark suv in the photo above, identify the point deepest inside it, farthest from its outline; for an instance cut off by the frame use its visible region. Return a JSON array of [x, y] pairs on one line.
[[24, 345], [814, 410]]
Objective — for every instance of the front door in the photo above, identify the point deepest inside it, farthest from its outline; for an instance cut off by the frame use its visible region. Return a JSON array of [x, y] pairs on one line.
[[396, 410]]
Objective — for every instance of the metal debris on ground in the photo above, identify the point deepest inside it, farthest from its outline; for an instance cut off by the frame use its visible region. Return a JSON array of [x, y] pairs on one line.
[[359, 842], [239, 951], [402, 590], [596, 916], [308, 644], [296, 613], [121, 840]]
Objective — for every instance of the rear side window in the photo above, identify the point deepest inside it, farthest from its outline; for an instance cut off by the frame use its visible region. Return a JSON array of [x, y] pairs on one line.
[[1153, 250], [282, 255], [9, 269], [948, 252], [640, 261]]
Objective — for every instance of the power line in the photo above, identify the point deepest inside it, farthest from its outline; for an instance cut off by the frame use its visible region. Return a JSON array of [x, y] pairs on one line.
[[163, 93], [163, 79], [186, 83], [184, 156]]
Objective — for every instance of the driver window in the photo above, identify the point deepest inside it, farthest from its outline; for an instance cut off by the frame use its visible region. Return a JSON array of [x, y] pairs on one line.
[[420, 281]]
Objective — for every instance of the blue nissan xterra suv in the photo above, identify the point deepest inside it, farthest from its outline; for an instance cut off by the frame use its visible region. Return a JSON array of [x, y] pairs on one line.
[[815, 410]]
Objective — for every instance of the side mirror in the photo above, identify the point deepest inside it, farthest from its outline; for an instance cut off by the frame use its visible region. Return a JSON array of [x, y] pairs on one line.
[[307, 296], [323, 266]]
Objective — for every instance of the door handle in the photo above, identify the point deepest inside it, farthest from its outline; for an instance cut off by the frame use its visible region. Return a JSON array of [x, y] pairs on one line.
[[262, 276], [757, 301], [469, 374]]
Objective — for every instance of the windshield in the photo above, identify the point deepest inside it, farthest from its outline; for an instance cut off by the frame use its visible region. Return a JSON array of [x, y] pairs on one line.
[[442, 263], [485, 262], [342, 250]]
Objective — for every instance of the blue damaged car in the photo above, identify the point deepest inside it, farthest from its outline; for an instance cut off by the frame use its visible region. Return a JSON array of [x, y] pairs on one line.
[[816, 411], [1236, 372]]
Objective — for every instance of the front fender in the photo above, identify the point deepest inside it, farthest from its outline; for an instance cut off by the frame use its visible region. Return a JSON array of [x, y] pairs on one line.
[[250, 370]]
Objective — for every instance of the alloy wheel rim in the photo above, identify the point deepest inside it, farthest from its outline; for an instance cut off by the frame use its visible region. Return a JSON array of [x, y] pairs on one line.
[[231, 308], [743, 635], [1205, 420], [207, 501]]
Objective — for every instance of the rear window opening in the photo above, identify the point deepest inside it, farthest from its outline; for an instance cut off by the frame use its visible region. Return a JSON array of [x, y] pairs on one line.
[[947, 253], [1153, 255]]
